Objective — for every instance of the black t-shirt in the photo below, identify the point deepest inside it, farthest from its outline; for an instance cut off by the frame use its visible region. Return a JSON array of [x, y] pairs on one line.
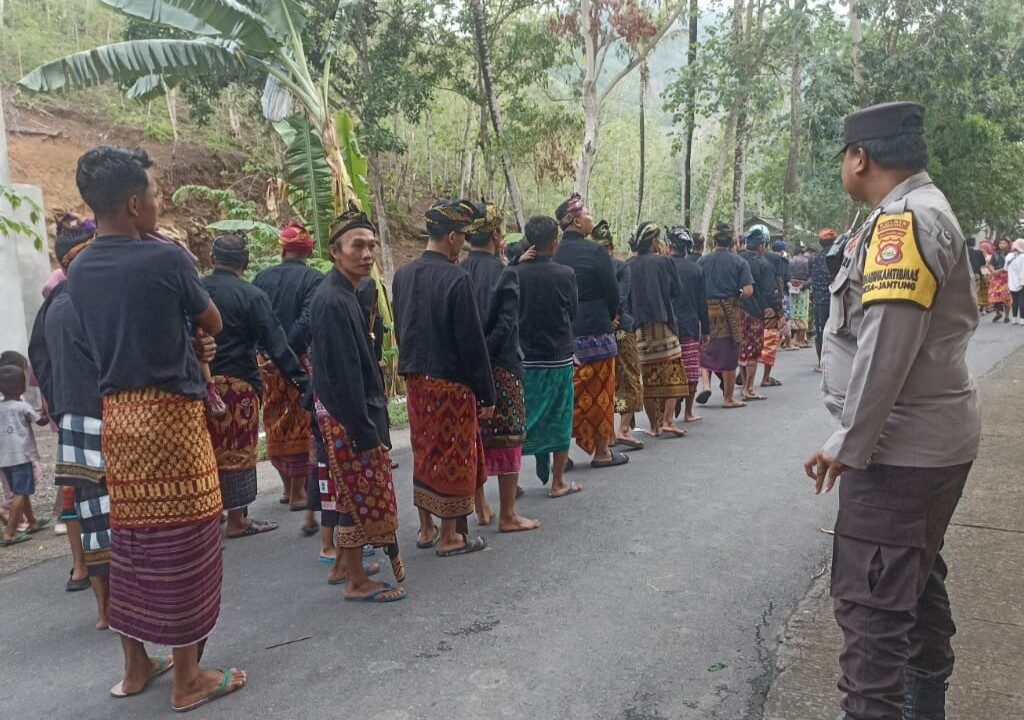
[[134, 298]]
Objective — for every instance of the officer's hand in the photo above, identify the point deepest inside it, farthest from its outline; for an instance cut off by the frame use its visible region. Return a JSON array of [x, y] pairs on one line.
[[823, 469], [486, 413]]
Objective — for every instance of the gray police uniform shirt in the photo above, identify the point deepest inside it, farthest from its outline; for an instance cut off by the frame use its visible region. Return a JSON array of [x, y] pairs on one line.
[[903, 310]]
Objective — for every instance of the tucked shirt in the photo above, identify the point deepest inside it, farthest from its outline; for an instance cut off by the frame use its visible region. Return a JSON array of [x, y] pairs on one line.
[[346, 376], [626, 321], [547, 309], [249, 325], [61, 359], [17, 441], [134, 299], [896, 379], [496, 290], [290, 287], [654, 289], [725, 274], [691, 307], [595, 280], [438, 327]]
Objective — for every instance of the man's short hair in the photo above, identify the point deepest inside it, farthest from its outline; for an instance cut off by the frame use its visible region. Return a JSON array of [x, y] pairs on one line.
[[107, 176], [723, 236], [480, 239], [907, 152], [12, 382], [541, 232]]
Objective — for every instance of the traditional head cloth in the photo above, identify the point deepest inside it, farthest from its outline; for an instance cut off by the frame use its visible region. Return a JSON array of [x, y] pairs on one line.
[[644, 237], [488, 219], [447, 216], [779, 245], [74, 234], [568, 211], [294, 237], [351, 219], [231, 250], [1018, 245], [680, 239], [602, 234], [988, 247], [828, 235]]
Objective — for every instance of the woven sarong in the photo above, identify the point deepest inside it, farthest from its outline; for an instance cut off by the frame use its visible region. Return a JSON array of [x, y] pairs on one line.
[[79, 451], [661, 360], [503, 434], [982, 284], [800, 309], [629, 388], [448, 457], [165, 584], [161, 470], [92, 505], [721, 352], [772, 337], [691, 360], [548, 392], [999, 288], [593, 414], [286, 422], [753, 339], [361, 491], [235, 436]]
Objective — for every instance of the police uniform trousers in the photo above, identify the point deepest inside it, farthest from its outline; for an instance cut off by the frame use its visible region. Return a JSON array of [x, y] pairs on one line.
[[888, 583]]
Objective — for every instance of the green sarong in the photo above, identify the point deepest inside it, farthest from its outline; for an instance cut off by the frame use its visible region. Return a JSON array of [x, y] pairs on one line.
[[548, 395]]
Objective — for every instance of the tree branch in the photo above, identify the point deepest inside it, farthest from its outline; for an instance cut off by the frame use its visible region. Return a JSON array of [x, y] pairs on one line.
[[644, 52]]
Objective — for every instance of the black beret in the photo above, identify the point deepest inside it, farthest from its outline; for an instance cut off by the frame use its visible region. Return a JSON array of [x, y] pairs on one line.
[[882, 121]]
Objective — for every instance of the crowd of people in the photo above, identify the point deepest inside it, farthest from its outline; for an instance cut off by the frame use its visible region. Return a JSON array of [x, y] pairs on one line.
[[999, 272]]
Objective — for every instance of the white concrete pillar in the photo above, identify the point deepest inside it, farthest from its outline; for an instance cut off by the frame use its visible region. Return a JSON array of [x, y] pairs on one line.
[[24, 270]]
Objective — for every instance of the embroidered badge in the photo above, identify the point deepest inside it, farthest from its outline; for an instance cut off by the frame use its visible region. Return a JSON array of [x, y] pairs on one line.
[[894, 268]]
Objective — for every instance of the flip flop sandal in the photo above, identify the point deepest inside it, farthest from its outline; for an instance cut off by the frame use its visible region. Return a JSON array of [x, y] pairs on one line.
[[367, 568], [754, 398], [326, 560], [630, 445], [163, 665], [426, 545], [703, 396], [73, 585], [19, 538], [220, 692], [673, 435], [375, 596], [471, 546], [573, 489], [283, 500], [256, 527], [772, 383], [615, 460], [41, 525], [733, 407], [310, 530]]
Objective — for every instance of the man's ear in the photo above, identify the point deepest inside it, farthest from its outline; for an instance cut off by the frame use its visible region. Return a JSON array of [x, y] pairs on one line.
[[133, 205]]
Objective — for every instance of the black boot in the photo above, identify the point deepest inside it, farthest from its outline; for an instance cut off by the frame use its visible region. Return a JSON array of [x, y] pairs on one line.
[[924, 700]]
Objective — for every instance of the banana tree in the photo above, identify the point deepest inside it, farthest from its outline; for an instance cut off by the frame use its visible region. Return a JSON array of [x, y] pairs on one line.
[[225, 36]]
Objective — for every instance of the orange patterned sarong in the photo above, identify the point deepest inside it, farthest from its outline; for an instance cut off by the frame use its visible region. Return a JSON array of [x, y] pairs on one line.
[[161, 470], [593, 413], [286, 422]]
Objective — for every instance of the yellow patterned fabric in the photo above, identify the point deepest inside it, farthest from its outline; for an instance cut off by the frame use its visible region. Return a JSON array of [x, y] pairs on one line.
[[161, 470]]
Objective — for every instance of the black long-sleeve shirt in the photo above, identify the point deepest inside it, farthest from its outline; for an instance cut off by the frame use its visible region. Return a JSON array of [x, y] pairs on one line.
[[764, 285], [290, 287], [654, 289], [438, 327], [595, 281], [547, 309], [62, 361], [367, 296], [692, 305], [626, 321], [346, 376], [249, 324], [496, 290]]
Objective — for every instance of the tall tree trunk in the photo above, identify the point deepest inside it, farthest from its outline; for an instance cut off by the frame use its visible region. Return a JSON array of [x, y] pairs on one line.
[[466, 173], [643, 143], [739, 162], [717, 175], [856, 40], [484, 60], [381, 216], [792, 182], [691, 117], [590, 28]]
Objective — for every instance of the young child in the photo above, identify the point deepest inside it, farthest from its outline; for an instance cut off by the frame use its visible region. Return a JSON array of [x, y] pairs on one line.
[[18, 452]]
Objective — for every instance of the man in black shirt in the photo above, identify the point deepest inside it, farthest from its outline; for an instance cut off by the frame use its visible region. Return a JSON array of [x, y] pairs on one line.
[[593, 423], [496, 289], [755, 310], [449, 386], [547, 309], [249, 325], [977, 260], [691, 309]]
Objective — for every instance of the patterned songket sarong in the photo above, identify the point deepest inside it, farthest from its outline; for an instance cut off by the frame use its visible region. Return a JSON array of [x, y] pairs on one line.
[[753, 339], [772, 337], [286, 422], [165, 545], [448, 457], [982, 283], [361, 490], [629, 388], [548, 394], [593, 416], [691, 360], [503, 434], [235, 436], [721, 353], [999, 288], [800, 307], [661, 358]]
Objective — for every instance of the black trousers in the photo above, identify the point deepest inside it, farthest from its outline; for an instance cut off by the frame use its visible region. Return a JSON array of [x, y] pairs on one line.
[[1018, 303], [888, 583]]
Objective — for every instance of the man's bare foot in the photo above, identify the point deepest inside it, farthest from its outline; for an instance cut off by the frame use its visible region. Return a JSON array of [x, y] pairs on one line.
[[103, 623], [564, 489], [427, 537], [733, 404], [673, 430], [690, 417], [517, 523], [380, 592], [485, 517], [135, 681], [653, 432], [207, 684], [602, 458]]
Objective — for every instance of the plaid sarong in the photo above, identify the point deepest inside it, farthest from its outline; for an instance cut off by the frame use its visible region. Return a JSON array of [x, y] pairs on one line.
[[93, 507], [79, 451]]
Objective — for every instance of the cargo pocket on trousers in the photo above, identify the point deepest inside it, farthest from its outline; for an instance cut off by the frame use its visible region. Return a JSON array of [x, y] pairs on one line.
[[877, 556]]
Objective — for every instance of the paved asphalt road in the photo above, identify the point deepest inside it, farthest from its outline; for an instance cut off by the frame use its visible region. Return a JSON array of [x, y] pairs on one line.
[[654, 594]]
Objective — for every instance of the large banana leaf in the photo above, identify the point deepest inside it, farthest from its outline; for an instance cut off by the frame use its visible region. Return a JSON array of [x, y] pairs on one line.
[[356, 162], [224, 18], [127, 62], [276, 100], [308, 173], [286, 18]]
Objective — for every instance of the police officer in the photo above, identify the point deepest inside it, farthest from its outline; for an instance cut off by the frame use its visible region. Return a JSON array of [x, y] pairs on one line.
[[907, 422]]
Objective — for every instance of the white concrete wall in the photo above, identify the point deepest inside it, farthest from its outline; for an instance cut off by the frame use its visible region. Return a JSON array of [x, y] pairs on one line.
[[23, 272]]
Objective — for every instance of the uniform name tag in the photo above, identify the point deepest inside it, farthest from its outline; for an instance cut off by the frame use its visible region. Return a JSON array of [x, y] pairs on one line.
[[894, 267]]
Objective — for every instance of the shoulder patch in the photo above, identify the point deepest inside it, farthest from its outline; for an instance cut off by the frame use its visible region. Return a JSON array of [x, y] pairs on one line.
[[894, 266]]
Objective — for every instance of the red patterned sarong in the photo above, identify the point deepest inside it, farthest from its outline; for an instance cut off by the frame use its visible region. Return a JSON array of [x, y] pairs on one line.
[[753, 339], [593, 413], [286, 422], [448, 456], [772, 337], [235, 436], [691, 359], [503, 434]]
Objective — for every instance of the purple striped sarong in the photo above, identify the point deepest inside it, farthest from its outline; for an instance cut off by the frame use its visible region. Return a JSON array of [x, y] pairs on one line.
[[165, 584]]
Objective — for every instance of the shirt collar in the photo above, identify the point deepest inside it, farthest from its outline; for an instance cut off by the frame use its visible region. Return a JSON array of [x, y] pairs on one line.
[[435, 256], [482, 254], [906, 187]]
